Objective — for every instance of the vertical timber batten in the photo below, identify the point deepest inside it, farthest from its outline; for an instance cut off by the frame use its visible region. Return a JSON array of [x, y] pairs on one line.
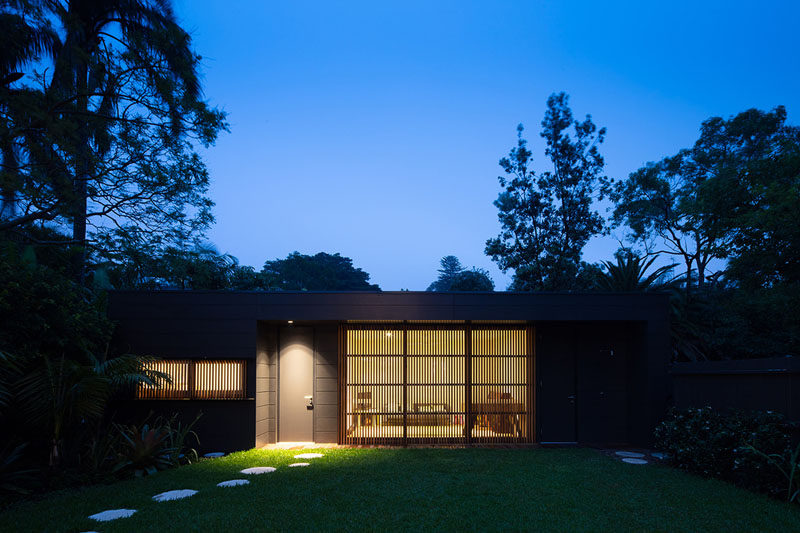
[[408, 383]]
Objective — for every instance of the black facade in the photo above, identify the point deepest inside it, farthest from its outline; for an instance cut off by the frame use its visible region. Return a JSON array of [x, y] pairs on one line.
[[600, 360]]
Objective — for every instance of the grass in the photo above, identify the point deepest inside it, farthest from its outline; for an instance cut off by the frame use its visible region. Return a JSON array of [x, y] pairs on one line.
[[420, 489]]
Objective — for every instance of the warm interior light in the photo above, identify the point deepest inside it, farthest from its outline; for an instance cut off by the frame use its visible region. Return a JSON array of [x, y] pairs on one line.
[[389, 334]]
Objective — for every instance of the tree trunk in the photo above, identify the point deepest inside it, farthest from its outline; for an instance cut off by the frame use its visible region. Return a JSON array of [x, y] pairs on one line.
[[79, 183]]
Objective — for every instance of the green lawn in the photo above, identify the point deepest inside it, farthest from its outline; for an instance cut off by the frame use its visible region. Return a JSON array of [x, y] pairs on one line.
[[430, 489]]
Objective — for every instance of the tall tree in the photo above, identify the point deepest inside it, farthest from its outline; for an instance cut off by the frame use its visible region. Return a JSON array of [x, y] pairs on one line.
[[449, 268], [320, 272], [547, 218], [26, 36], [703, 203], [114, 146]]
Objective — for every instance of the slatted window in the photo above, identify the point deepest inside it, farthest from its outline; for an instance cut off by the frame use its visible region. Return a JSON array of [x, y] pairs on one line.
[[435, 384], [197, 380]]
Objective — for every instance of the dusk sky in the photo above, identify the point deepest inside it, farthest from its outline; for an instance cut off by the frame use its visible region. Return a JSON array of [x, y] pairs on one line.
[[374, 129]]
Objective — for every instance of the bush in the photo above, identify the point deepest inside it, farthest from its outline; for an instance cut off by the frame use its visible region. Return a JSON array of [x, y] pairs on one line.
[[709, 443]]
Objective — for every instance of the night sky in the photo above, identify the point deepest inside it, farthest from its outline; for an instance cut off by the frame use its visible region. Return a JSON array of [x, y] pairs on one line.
[[374, 129]]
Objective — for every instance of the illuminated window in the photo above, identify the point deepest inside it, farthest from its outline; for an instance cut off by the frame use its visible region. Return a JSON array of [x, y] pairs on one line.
[[436, 383], [199, 380]]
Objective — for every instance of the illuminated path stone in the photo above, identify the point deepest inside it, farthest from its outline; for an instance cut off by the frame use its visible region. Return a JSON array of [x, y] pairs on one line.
[[174, 495], [112, 514], [658, 455], [636, 455], [634, 461], [233, 483], [258, 470], [308, 456], [213, 455], [298, 464]]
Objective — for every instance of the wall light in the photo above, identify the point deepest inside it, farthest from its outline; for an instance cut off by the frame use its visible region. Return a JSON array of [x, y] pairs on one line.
[[291, 321]]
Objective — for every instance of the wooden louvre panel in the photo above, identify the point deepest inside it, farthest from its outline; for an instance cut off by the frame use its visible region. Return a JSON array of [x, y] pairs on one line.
[[435, 384], [219, 380], [176, 387], [197, 380], [499, 385]]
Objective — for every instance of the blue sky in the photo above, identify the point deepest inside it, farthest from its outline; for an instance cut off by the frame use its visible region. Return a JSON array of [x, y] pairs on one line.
[[373, 129]]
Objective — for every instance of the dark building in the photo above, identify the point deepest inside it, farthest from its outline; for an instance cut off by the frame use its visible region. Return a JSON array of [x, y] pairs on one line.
[[403, 367]]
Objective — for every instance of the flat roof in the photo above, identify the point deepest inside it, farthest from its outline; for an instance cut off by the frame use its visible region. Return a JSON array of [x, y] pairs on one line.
[[390, 305]]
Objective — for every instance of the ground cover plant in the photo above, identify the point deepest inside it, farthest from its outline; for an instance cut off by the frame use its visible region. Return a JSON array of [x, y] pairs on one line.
[[419, 489], [751, 449]]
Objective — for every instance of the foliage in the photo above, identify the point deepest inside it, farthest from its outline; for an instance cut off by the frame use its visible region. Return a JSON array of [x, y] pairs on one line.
[[732, 195], [454, 277], [788, 465], [105, 125], [14, 477], [706, 442], [629, 274], [320, 272], [148, 448], [43, 312], [547, 218]]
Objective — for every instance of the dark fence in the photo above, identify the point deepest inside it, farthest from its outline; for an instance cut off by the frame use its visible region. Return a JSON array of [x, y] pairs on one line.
[[749, 384]]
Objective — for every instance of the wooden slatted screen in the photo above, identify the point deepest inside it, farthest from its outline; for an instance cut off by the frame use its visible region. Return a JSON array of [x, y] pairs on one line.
[[435, 384], [198, 380]]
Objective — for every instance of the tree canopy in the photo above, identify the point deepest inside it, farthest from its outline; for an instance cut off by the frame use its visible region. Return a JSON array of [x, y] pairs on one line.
[[454, 277], [320, 272], [547, 217], [102, 130]]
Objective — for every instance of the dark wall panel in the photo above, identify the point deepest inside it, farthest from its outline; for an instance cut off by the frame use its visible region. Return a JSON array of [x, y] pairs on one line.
[[326, 401], [748, 384]]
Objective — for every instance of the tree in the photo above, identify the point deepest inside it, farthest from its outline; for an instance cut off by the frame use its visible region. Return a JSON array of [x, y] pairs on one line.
[[454, 277], [450, 268], [110, 136], [630, 274], [547, 218], [320, 272], [474, 280]]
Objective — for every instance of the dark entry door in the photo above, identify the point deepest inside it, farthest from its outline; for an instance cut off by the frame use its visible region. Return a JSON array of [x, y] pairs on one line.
[[602, 390], [555, 376]]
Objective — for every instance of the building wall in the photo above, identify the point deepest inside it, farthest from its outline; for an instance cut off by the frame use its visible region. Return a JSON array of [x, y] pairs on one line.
[[326, 396], [771, 384], [192, 326], [266, 394]]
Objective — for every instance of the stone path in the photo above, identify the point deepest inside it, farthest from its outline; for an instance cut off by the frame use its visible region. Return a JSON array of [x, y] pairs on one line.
[[174, 495], [234, 483], [256, 470], [114, 514]]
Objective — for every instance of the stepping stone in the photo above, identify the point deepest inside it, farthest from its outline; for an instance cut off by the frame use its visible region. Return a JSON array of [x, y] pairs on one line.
[[174, 495], [212, 455], [233, 483], [634, 461], [258, 470], [636, 455], [308, 456], [298, 464], [112, 514], [658, 455]]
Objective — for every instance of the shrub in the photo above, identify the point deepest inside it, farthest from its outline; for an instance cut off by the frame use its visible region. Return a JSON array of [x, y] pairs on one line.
[[709, 443], [148, 448]]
